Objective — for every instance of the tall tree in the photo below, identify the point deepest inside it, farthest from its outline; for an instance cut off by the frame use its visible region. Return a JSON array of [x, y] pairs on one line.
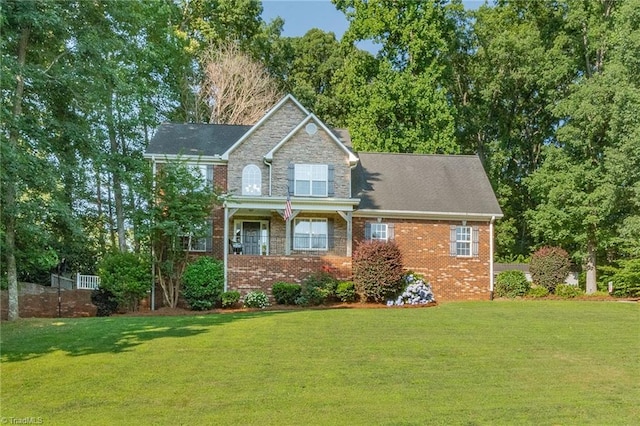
[[582, 192], [405, 107], [236, 88]]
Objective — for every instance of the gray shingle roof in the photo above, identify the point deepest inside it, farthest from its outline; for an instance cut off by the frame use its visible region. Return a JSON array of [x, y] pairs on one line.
[[194, 139], [423, 183]]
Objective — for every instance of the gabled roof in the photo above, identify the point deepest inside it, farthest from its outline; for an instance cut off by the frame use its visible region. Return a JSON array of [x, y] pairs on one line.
[[266, 117], [334, 137], [205, 140], [438, 185]]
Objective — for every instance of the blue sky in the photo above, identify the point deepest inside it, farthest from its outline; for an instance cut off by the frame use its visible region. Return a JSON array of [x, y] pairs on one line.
[[302, 15]]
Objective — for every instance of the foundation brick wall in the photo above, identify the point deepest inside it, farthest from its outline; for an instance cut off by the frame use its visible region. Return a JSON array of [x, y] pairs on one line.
[[36, 301], [249, 273], [425, 249]]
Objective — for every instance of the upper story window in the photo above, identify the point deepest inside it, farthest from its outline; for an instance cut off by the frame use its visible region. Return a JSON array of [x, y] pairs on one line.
[[203, 173], [311, 180], [251, 180], [464, 241]]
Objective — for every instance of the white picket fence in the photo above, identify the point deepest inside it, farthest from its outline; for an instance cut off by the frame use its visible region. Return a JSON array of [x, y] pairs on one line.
[[87, 282], [82, 282]]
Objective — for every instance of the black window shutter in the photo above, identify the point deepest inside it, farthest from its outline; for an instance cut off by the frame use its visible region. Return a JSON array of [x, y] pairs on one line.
[[475, 238], [290, 178], [367, 231], [331, 181], [452, 242]]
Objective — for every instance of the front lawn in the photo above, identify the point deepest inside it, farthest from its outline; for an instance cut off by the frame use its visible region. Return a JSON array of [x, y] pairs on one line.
[[485, 363]]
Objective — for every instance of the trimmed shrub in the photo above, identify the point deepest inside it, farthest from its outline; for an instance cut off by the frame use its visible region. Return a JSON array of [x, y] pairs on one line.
[[511, 284], [203, 283], [230, 298], [127, 276], [317, 289], [286, 293], [568, 291], [105, 301], [346, 292], [256, 299], [537, 291], [549, 266], [377, 270]]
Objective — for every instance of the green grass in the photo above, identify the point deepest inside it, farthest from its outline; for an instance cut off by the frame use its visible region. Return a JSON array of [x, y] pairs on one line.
[[475, 363]]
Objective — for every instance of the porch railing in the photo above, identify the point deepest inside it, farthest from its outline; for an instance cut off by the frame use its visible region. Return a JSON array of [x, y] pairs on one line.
[[87, 282], [308, 246]]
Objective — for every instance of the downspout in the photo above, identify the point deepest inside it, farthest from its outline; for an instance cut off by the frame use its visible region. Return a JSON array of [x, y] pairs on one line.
[[493, 218], [226, 247], [268, 165]]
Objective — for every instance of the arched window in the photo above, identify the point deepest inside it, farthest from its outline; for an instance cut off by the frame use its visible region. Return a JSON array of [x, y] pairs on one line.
[[251, 180]]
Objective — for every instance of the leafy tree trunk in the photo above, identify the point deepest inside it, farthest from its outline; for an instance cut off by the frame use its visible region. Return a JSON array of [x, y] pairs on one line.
[[115, 175], [9, 208], [590, 266]]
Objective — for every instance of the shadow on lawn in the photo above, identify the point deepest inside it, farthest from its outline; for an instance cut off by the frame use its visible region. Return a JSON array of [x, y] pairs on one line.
[[76, 337]]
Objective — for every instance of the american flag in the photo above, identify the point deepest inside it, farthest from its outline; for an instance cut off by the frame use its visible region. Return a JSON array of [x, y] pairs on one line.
[[287, 208]]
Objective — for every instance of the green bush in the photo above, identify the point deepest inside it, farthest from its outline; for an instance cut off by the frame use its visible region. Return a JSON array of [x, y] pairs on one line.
[[511, 284], [203, 283], [230, 299], [538, 291], [549, 266], [105, 301], [317, 289], [626, 279], [127, 276], [286, 293], [256, 299], [377, 270], [346, 292], [568, 291]]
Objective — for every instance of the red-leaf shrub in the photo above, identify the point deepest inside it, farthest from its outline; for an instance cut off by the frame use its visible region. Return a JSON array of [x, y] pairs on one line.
[[549, 267], [377, 270]]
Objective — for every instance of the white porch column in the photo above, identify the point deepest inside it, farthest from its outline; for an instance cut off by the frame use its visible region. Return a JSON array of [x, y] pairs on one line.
[[348, 217]]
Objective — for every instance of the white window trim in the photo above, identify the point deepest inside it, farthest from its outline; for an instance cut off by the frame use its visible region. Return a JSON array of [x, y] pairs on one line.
[[251, 186], [325, 172], [374, 237], [468, 242], [311, 235]]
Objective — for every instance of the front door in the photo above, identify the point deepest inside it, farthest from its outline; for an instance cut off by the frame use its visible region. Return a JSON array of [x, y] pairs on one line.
[[251, 237]]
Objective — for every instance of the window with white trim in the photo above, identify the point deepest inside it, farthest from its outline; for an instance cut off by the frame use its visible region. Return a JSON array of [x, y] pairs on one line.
[[195, 241], [464, 241], [310, 234], [201, 172], [378, 231], [311, 180], [251, 180]]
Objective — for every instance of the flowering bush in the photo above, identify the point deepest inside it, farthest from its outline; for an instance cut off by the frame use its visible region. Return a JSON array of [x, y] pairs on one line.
[[416, 292], [256, 299]]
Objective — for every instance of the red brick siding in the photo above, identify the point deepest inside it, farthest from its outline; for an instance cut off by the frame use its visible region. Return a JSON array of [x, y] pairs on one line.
[[425, 249], [249, 273], [74, 303]]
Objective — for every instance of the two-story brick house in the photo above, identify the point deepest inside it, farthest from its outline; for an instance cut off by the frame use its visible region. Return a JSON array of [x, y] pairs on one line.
[[439, 209]]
